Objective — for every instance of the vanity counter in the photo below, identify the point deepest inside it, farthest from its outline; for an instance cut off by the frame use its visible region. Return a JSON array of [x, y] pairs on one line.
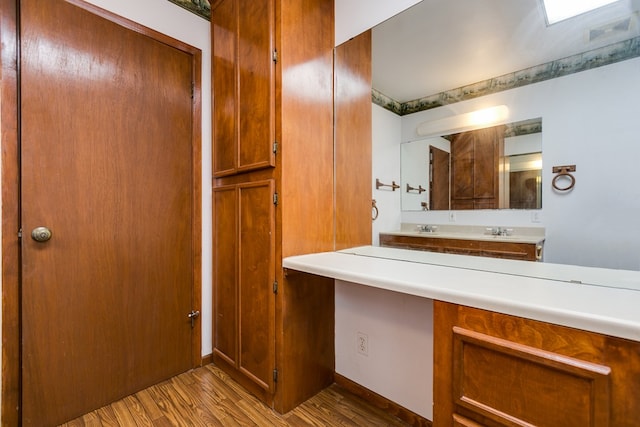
[[468, 236], [593, 299]]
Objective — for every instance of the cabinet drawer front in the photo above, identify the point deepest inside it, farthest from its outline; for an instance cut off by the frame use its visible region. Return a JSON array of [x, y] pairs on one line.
[[509, 383]]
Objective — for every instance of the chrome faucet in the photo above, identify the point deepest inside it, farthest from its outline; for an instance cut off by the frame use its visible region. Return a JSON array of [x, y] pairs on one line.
[[500, 231], [427, 228]]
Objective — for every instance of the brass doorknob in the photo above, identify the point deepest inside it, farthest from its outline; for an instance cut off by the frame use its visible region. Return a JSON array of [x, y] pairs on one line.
[[41, 234]]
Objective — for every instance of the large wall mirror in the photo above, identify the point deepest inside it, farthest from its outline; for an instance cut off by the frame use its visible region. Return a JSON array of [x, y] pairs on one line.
[[441, 52], [441, 59]]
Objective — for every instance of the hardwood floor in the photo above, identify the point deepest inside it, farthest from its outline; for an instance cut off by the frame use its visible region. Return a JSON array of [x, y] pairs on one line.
[[208, 397]]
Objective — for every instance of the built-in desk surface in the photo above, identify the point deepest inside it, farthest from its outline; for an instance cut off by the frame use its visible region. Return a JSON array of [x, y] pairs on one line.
[[593, 299]]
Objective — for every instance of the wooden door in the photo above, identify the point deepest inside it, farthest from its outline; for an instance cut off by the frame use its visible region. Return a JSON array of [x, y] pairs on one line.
[[523, 189], [439, 179], [106, 121]]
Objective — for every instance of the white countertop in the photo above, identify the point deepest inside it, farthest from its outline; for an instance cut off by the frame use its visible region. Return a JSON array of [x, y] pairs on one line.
[[593, 299], [466, 236], [531, 235]]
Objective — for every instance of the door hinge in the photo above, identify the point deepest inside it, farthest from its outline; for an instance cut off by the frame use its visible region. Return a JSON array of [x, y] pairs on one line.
[[275, 199], [275, 147], [20, 234], [193, 316], [275, 375], [275, 286], [275, 56]]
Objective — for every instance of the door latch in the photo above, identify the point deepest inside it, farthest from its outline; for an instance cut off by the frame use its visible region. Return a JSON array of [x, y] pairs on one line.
[[193, 316]]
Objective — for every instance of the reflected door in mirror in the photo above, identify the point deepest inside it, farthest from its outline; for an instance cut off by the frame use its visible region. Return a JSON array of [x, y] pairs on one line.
[[439, 182]]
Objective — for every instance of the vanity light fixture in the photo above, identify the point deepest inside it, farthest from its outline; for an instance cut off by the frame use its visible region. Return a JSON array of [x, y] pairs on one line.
[[463, 122], [559, 10]]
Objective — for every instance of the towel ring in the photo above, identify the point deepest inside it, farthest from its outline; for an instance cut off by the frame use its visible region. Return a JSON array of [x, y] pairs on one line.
[[563, 171], [374, 210]]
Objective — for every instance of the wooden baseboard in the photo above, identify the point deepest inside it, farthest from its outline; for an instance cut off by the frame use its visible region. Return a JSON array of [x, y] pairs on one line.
[[207, 359], [382, 402]]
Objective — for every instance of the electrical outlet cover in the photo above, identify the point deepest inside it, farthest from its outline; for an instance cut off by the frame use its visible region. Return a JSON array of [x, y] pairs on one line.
[[362, 343]]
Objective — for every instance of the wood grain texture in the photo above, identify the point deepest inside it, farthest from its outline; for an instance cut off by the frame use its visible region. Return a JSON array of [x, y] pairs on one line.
[[256, 84], [256, 275], [594, 354], [304, 120], [353, 142], [507, 250], [302, 117], [305, 224], [9, 125], [440, 181], [243, 85], [225, 266], [307, 362], [510, 382], [224, 28], [382, 402], [475, 166], [244, 273], [102, 149], [208, 397]]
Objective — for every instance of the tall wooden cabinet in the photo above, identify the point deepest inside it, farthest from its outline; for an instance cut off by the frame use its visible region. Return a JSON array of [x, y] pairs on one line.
[[272, 70], [475, 166]]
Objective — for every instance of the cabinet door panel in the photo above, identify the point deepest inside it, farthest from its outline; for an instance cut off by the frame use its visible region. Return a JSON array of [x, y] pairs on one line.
[[256, 277], [256, 84], [243, 85], [509, 383], [462, 167], [485, 165], [224, 25], [225, 294]]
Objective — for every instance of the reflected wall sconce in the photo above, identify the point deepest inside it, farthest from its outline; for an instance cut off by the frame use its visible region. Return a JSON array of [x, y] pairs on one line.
[[464, 122]]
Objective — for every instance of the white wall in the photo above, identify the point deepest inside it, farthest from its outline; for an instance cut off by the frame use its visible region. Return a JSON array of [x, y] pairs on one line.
[[176, 22], [399, 329], [386, 168], [414, 171]]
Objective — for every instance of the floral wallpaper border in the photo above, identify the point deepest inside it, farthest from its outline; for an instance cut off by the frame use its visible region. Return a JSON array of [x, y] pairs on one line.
[[585, 61], [201, 8]]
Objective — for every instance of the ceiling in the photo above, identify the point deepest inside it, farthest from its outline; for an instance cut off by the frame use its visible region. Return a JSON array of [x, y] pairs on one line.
[[439, 45]]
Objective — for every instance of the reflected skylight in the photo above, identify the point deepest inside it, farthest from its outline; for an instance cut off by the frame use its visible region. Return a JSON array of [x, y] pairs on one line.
[[559, 10]]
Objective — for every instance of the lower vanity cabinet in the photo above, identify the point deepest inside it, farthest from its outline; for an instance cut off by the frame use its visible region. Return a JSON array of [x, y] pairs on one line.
[[497, 370], [495, 249]]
